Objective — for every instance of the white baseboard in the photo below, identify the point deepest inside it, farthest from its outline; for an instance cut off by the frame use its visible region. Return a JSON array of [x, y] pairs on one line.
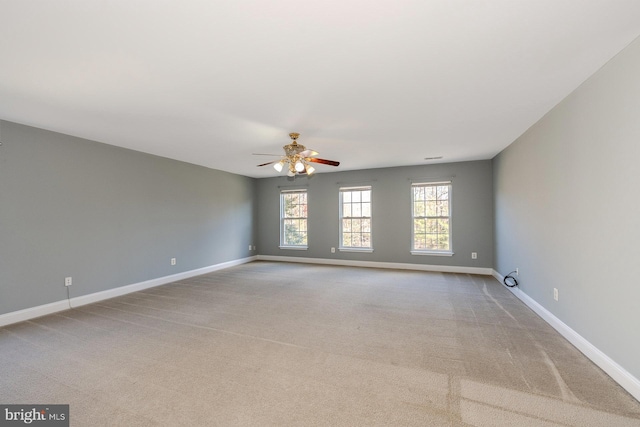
[[615, 371], [33, 312], [375, 264], [54, 307]]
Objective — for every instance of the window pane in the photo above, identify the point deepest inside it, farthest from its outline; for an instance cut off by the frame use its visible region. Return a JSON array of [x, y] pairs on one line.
[[443, 242], [355, 196], [431, 208], [346, 225], [443, 192], [293, 233], [418, 193], [430, 243], [346, 196], [366, 209], [288, 206], [346, 210], [366, 196], [430, 193], [442, 208], [356, 209], [366, 225]]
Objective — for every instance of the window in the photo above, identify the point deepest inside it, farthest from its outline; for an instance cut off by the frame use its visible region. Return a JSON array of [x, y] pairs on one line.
[[293, 219], [431, 218], [355, 219]]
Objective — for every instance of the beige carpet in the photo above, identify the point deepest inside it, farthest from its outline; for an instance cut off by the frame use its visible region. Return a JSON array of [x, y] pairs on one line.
[[293, 344]]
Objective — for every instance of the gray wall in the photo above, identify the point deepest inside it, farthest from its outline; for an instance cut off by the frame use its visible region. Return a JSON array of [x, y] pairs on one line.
[[567, 206], [108, 216], [472, 210]]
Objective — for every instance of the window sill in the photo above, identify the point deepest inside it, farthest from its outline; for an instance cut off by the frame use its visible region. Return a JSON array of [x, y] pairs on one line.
[[432, 253], [294, 248], [366, 250]]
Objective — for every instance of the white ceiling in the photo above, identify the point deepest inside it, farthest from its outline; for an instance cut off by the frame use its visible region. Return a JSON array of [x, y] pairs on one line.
[[371, 83]]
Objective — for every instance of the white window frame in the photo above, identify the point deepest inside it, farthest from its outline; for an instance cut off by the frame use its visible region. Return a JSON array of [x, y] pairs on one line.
[[436, 252], [283, 219], [342, 217]]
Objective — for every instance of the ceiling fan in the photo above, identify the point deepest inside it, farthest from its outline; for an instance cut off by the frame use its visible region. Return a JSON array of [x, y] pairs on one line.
[[297, 157]]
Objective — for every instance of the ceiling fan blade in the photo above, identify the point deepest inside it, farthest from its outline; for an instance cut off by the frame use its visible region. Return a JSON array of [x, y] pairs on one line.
[[323, 161], [308, 153], [265, 164]]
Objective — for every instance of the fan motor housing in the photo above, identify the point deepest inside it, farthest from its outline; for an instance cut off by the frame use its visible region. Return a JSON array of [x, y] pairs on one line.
[[293, 149]]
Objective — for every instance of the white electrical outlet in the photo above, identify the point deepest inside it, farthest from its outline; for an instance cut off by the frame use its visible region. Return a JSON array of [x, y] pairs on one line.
[[555, 294], [249, 247], [333, 250], [173, 261], [474, 255], [67, 281]]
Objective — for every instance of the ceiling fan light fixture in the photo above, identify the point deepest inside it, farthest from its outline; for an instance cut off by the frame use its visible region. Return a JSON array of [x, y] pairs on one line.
[[296, 158]]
